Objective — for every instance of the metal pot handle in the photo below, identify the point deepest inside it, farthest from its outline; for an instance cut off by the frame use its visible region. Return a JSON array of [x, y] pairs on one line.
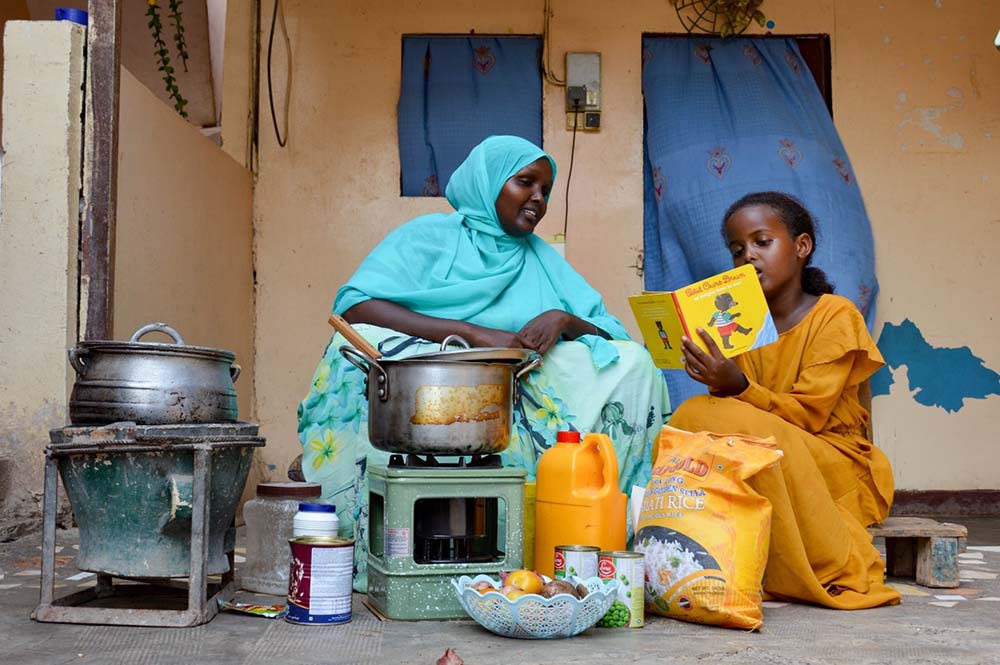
[[76, 356], [162, 327], [457, 339], [234, 372], [532, 364], [365, 363]]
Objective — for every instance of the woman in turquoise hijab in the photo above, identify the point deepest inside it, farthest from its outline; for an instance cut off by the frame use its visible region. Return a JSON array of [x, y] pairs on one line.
[[481, 272]]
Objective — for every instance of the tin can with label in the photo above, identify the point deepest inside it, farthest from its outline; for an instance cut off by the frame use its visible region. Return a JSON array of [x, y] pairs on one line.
[[320, 580], [575, 561], [630, 571]]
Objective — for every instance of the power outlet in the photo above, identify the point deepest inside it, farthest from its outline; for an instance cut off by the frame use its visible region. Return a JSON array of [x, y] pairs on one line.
[[586, 121]]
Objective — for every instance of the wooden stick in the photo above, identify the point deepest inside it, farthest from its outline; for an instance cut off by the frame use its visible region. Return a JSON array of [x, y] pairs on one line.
[[354, 337]]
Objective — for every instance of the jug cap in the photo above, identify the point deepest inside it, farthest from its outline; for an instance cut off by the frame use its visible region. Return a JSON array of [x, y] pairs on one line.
[[567, 437], [317, 508]]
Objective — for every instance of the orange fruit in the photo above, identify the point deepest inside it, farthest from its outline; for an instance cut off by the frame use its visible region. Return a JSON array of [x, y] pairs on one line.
[[514, 594], [525, 580]]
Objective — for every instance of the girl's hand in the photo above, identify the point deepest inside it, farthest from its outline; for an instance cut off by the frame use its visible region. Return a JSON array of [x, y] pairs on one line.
[[543, 331], [720, 374]]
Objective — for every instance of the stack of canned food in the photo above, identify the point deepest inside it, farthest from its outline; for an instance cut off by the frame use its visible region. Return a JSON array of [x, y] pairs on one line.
[[628, 610]]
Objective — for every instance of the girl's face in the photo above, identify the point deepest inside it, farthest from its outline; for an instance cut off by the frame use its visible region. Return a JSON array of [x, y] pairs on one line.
[[756, 235], [522, 201]]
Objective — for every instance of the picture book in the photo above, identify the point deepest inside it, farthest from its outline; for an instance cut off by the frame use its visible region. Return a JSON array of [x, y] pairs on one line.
[[729, 306]]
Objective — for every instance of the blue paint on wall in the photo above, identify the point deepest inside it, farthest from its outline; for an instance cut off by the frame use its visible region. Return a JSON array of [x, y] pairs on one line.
[[942, 377]]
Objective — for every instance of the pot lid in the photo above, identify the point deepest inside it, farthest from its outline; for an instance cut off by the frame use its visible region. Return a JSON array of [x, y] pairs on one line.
[[177, 348], [494, 354], [159, 349]]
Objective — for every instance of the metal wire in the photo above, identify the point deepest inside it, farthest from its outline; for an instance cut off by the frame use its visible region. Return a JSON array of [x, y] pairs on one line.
[[546, 65], [282, 140]]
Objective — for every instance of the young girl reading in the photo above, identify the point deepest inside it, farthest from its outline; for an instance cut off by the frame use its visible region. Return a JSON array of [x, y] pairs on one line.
[[803, 390]]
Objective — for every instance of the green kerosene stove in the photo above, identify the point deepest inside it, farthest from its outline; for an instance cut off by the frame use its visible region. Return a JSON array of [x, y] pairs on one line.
[[430, 521]]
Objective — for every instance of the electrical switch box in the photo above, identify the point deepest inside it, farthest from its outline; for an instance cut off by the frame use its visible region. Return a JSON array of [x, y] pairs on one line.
[[583, 91]]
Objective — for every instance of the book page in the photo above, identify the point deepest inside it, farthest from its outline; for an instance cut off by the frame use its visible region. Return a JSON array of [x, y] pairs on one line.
[[661, 328]]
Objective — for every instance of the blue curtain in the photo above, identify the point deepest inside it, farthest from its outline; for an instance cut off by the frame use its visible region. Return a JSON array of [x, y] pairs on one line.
[[728, 117], [455, 92]]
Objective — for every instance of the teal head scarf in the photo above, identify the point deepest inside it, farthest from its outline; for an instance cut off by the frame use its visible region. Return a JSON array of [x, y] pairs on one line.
[[463, 266], [476, 183]]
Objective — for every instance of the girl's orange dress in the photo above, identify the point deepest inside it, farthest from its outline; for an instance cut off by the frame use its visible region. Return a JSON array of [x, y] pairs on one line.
[[832, 482]]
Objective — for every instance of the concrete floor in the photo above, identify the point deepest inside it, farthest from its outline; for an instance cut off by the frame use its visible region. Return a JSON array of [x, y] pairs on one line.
[[931, 626]]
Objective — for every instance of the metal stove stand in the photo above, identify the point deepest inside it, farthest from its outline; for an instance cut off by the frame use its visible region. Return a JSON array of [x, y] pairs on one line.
[[131, 438]]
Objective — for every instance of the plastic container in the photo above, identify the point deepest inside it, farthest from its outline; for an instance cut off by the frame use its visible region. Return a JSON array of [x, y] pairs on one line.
[[270, 519], [529, 527], [316, 519], [577, 500]]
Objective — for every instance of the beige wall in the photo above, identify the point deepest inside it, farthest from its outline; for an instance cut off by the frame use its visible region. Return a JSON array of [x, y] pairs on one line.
[[326, 199], [237, 91], [184, 237], [919, 93], [43, 76]]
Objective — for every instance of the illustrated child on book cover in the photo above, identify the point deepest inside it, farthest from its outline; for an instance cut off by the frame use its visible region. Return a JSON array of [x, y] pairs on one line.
[[724, 320], [663, 335]]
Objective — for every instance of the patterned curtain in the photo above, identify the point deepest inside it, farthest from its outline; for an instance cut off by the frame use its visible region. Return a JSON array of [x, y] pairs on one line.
[[455, 92], [728, 117]]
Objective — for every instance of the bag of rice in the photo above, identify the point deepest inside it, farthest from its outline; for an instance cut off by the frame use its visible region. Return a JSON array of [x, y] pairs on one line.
[[703, 530]]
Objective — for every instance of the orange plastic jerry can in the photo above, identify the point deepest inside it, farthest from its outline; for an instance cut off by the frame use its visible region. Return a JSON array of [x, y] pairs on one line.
[[577, 500]]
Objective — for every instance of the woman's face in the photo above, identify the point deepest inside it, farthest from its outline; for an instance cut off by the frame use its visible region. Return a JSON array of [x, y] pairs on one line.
[[522, 201]]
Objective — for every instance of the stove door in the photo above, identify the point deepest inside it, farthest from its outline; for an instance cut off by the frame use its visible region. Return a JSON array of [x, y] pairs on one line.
[[456, 530]]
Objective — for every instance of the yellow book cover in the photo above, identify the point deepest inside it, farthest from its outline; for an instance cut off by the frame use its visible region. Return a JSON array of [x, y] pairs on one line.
[[730, 306]]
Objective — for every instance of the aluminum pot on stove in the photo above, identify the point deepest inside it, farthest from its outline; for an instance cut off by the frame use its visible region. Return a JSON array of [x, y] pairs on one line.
[[152, 383], [452, 402]]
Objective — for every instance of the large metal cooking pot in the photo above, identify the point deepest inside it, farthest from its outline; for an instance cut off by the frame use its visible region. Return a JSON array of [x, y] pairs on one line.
[[151, 383], [440, 404]]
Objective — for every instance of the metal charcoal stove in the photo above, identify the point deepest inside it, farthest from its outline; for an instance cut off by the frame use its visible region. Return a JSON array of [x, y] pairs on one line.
[[153, 503], [431, 520]]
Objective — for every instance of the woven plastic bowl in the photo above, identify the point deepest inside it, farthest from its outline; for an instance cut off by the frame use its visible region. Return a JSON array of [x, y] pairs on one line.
[[532, 617]]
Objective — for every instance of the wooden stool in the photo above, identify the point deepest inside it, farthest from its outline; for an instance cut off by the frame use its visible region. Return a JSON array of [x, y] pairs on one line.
[[922, 548]]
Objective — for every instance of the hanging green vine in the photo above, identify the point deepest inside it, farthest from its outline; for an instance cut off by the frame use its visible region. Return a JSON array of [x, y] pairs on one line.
[[175, 16], [163, 54]]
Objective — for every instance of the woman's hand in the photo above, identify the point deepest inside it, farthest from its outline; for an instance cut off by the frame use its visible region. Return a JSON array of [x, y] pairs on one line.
[[543, 331], [488, 337], [720, 374]]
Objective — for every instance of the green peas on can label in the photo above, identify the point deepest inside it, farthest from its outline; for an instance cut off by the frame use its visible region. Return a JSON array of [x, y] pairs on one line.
[[628, 610], [575, 561]]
